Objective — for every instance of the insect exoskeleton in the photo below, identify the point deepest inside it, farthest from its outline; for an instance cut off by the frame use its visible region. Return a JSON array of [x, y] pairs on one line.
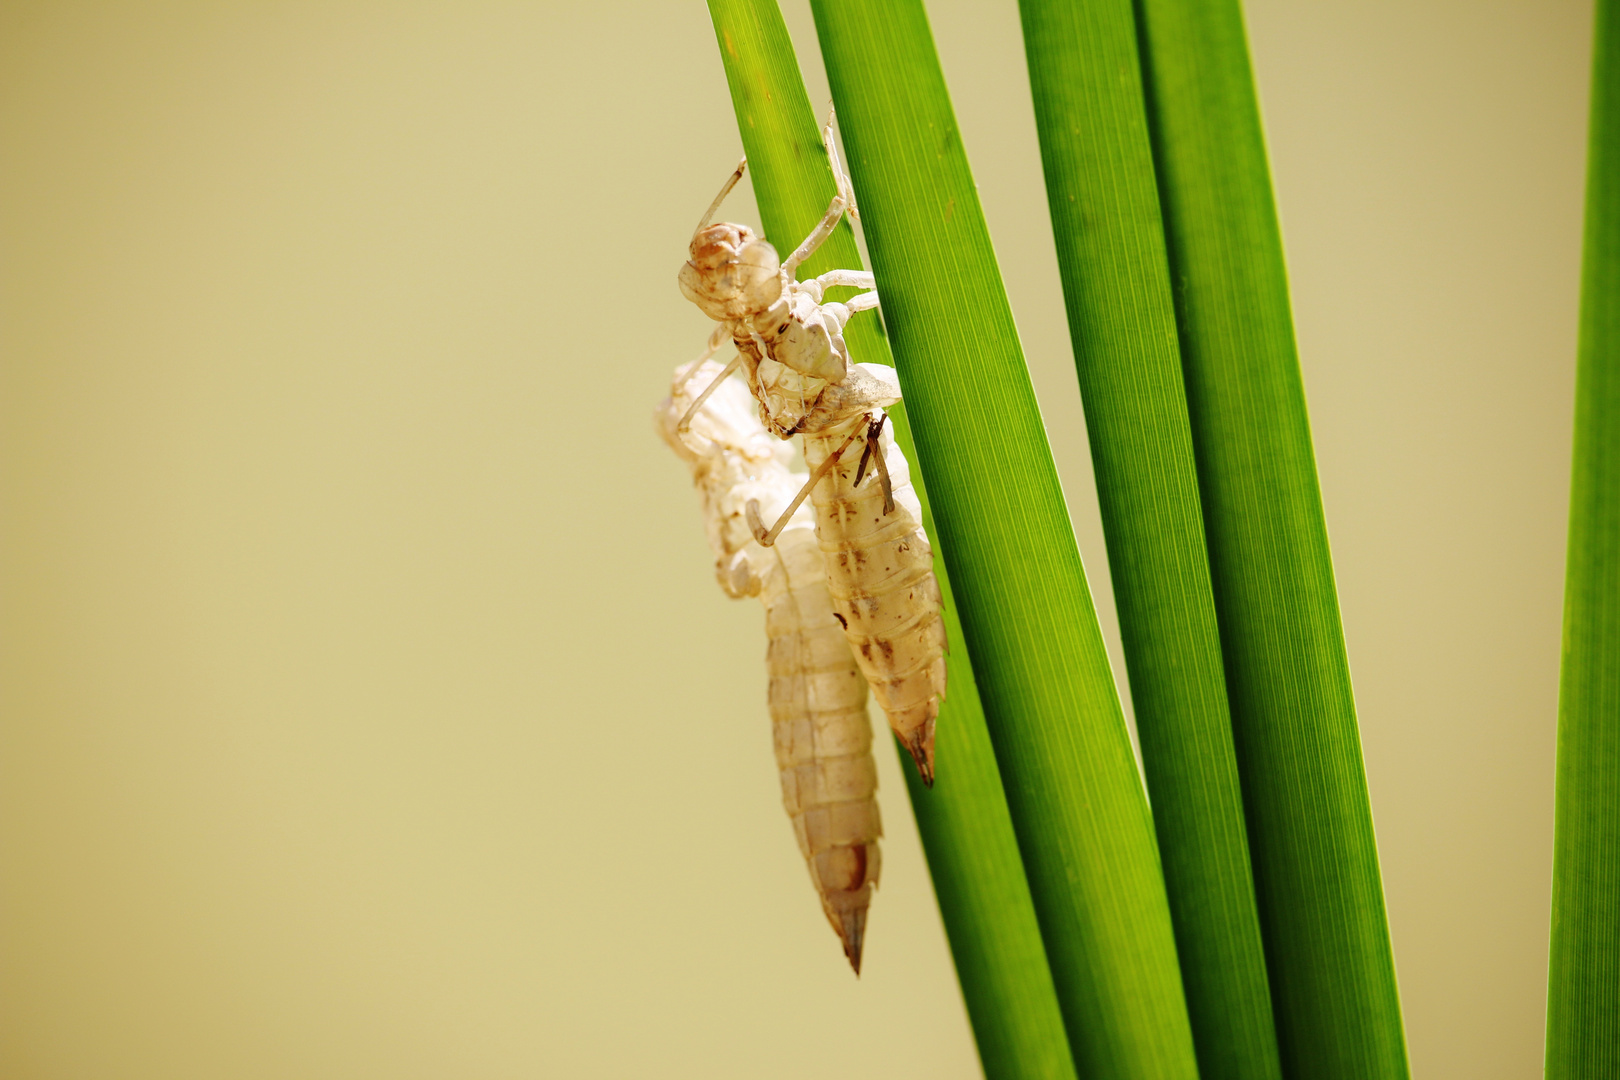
[[789, 342], [880, 567], [817, 693], [790, 345]]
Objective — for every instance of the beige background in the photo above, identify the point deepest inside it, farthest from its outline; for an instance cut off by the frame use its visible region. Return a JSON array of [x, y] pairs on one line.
[[368, 705]]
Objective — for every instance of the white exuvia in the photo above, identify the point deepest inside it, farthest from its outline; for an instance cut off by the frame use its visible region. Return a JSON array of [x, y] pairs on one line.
[[817, 693], [791, 350]]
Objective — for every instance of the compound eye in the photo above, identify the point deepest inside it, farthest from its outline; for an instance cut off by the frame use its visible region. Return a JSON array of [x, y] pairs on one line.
[[754, 277]]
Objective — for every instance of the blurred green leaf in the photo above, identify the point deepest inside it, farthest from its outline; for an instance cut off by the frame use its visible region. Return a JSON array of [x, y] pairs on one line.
[[1089, 113], [1054, 716], [966, 831], [1583, 996], [1311, 842]]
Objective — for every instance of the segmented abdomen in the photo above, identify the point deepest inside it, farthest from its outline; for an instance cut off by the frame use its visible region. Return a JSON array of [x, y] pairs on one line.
[[823, 739], [817, 694], [880, 571]]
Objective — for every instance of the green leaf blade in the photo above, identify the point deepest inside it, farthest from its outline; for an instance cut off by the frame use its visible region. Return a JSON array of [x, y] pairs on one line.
[[1583, 988], [1315, 860], [965, 825], [1060, 741], [1091, 120]]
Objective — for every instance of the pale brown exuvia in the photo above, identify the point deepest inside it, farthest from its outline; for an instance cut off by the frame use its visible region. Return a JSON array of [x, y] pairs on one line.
[[817, 693], [791, 351]]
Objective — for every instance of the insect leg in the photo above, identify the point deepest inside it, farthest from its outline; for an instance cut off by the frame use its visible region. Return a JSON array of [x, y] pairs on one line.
[[866, 454], [716, 339], [823, 229], [874, 450], [859, 279], [686, 421], [768, 537], [883, 469], [842, 203], [864, 302], [835, 314], [845, 188], [725, 190]]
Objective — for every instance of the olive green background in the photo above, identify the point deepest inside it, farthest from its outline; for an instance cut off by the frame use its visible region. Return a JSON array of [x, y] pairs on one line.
[[367, 706]]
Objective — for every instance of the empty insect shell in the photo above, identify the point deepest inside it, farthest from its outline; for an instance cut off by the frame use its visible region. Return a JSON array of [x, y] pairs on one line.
[[817, 693]]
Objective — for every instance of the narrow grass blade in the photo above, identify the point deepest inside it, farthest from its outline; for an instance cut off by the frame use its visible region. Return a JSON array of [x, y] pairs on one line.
[[1288, 679], [966, 830], [1054, 716], [1110, 242], [1583, 992]]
